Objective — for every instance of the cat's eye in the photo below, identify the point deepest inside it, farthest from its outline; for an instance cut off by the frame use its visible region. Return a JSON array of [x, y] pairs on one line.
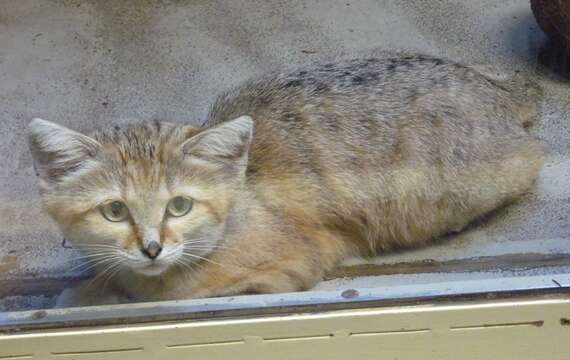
[[179, 206], [115, 211]]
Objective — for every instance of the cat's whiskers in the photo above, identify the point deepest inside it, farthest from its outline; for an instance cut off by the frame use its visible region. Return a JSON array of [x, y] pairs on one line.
[[91, 259], [84, 260], [185, 268], [201, 258], [203, 243], [95, 253], [211, 243], [88, 247], [89, 253], [110, 257], [96, 245], [190, 263], [234, 252], [110, 267], [91, 263], [111, 274]]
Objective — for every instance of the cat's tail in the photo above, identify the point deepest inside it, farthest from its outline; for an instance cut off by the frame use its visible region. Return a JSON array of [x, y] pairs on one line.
[[526, 92]]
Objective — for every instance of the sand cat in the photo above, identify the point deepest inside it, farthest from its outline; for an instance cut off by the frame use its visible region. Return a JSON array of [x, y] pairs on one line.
[[292, 173]]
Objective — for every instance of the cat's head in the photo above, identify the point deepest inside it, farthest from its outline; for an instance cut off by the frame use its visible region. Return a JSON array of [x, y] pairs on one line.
[[145, 196]]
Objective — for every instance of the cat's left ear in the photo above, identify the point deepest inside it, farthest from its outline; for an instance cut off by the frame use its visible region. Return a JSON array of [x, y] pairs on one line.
[[227, 143]]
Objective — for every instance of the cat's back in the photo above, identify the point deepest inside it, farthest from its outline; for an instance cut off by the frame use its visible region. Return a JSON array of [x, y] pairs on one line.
[[375, 109], [398, 149], [389, 82]]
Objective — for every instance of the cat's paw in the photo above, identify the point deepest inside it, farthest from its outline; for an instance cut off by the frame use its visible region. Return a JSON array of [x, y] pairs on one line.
[[67, 298], [74, 297]]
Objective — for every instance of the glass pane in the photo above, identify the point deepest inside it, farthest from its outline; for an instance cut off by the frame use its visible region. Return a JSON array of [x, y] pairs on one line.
[[369, 148]]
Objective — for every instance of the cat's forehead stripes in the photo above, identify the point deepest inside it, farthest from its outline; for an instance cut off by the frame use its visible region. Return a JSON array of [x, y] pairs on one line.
[[146, 141], [142, 157]]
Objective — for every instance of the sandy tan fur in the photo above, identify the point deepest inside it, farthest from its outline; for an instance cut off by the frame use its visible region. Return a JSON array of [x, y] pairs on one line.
[[353, 157]]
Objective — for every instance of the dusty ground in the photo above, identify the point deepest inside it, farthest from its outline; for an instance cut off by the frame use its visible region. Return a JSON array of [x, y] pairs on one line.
[[87, 64]]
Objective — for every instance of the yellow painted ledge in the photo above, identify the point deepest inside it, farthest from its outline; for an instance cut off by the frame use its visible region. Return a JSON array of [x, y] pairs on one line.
[[502, 330]]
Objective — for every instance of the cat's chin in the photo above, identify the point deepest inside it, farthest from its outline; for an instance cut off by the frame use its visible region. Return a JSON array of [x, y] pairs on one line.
[[154, 269]]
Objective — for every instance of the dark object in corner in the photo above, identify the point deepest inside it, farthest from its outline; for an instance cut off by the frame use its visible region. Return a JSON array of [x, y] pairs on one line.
[[553, 17]]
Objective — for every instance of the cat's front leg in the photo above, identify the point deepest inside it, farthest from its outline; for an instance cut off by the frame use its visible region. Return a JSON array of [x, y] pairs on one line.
[[296, 264], [87, 294], [283, 279]]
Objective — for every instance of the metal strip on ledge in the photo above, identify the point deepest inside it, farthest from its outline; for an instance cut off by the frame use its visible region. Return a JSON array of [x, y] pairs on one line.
[[256, 305]]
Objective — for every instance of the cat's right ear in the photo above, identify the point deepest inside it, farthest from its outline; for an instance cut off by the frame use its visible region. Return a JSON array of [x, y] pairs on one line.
[[227, 143], [58, 151]]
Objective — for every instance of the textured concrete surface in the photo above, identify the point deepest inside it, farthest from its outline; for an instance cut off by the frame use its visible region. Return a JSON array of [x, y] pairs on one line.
[[87, 64]]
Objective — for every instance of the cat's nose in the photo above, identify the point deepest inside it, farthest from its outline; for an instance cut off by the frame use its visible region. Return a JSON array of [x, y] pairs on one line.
[[152, 250]]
